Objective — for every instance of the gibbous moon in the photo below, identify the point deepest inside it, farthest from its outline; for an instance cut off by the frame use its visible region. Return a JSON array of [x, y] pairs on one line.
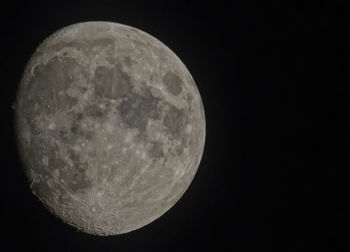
[[110, 127]]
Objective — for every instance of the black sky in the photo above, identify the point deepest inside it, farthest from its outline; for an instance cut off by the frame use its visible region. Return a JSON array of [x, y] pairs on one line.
[[273, 78]]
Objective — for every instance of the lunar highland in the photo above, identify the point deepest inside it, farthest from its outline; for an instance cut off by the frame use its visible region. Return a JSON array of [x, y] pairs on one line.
[[110, 127]]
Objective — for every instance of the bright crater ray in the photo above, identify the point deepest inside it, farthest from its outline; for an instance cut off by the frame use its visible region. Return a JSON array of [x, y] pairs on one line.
[[110, 127]]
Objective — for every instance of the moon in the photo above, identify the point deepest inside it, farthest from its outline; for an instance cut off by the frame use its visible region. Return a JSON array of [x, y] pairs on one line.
[[110, 127]]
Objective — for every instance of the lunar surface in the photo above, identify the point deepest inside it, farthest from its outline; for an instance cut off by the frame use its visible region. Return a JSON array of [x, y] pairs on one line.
[[110, 127]]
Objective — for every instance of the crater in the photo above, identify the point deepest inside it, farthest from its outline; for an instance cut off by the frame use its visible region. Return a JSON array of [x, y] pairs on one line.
[[51, 79], [173, 83], [74, 175], [128, 61], [63, 45], [113, 132], [42, 190], [100, 45]]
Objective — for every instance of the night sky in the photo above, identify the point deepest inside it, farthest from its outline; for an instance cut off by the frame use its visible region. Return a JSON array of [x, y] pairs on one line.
[[273, 79]]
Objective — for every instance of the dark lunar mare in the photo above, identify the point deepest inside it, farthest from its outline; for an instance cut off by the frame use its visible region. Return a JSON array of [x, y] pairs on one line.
[[110, 127]]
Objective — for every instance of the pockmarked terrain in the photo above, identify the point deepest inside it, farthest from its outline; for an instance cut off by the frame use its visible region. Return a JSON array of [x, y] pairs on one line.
[[110, 127]]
